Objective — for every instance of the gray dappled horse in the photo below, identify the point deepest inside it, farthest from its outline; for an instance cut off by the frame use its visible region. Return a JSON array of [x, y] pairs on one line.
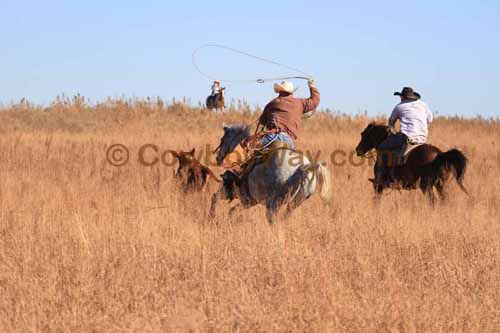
[[286, 177]]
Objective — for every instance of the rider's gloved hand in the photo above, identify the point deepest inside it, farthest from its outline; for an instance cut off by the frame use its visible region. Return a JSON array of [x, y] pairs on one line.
[[311, 83]]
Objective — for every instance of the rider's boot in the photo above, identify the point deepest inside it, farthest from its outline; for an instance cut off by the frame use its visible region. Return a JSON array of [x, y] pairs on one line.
[[381, 172], [390, 176], [380, 178]]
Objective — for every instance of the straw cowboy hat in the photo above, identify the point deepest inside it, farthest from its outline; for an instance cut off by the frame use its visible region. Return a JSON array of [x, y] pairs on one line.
[[284, 86], [408, 93]]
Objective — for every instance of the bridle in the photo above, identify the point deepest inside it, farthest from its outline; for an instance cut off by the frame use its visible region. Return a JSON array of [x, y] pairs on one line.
[[217, 149], [372, 153]]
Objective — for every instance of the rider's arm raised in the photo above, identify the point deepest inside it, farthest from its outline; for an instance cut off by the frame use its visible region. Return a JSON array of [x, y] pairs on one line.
[[311, 103]]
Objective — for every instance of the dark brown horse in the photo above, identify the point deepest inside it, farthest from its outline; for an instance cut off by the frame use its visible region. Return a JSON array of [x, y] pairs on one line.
[[191, 174], [426, 166], [216, 101]]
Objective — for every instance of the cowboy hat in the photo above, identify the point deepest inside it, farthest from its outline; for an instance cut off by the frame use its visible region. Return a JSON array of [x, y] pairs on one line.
[[284, 86], [408, 93]]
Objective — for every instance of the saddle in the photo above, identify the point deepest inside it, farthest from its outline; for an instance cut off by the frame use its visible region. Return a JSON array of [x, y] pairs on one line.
[[240, 163], [250, 152], [262, 155], [246, 156]]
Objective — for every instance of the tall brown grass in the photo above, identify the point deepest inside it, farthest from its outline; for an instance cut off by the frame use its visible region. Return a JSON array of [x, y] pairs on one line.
[[82, 247]]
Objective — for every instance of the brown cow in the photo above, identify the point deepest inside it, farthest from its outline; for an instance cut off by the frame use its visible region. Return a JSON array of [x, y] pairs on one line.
[[192, 175]]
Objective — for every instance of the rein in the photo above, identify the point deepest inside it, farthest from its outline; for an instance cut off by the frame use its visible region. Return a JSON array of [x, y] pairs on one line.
[[371, 154], [217, 149]]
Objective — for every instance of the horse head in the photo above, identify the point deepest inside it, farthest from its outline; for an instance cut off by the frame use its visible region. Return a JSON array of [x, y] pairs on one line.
[[233, 135], [371, 137], [186, 159]]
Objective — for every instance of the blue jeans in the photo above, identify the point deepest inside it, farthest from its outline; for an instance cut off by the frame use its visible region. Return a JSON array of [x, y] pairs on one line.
[[281, 136], [393, 143]]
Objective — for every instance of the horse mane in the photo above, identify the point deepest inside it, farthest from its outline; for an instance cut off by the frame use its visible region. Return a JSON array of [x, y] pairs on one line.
[[239, 128], [237, 133], [377, 124], [233, 135]]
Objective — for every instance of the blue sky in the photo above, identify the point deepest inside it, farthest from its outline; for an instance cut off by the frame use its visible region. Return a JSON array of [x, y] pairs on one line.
[[360, 52]]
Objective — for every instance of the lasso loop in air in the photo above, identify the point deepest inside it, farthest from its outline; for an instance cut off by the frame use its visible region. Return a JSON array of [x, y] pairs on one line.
[[259, 80]]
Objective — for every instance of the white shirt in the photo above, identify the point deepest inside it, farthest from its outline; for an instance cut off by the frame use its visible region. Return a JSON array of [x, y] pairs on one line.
[[215, 89], [414, 116]]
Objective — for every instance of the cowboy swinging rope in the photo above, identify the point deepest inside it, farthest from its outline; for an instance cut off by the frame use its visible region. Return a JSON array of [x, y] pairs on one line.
[[258, 80]]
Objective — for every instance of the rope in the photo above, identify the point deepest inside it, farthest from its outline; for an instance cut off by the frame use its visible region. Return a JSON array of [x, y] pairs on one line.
[[259, 80]]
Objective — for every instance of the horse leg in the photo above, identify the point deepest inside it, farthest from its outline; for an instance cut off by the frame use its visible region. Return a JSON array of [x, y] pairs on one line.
[[298, 194], [427, 190], [209, 103], [292, 205], [431, 195], [220, 107], [213, 205], [378, 189], [271, 210]]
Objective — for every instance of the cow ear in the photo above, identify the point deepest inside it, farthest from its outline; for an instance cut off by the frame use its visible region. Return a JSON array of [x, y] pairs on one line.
[[175, 154], [191, 152]]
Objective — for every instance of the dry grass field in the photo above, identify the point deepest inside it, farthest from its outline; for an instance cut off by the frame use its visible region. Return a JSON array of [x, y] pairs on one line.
[[82, 247]]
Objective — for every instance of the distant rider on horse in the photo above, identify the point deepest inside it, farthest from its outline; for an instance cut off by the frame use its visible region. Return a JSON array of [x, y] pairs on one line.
[[282, 117], [414, 116]]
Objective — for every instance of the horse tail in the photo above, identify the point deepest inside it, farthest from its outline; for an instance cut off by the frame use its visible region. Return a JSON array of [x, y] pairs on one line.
[[324, 182], [455, 159]]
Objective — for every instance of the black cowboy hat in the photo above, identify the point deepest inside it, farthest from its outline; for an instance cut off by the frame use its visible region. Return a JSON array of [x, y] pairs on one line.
[[408, 93]]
